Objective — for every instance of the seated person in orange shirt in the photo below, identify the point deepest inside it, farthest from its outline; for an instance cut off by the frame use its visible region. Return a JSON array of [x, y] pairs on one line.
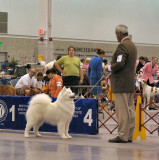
[[55, 83]]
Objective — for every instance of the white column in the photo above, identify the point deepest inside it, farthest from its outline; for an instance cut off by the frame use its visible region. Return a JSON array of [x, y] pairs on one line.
[[45, 44]]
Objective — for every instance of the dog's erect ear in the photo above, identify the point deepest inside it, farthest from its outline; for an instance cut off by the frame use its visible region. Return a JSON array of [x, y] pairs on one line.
[[142, 81], [64, 88], [61, 92]]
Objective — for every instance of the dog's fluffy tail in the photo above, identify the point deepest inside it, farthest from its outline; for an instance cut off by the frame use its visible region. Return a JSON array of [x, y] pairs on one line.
[[40, 99]]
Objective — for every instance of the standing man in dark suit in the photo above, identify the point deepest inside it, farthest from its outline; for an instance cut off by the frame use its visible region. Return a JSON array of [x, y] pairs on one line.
[[122, 81]]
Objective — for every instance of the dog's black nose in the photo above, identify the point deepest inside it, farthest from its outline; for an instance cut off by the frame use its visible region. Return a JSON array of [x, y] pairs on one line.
[[73, 96]]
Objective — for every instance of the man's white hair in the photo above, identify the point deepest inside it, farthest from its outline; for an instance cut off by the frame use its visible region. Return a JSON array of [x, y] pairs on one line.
[[122, 29]]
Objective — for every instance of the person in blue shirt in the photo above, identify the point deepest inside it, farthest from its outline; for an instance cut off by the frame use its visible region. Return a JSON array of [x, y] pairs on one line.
[[95, 71], [5, 65]]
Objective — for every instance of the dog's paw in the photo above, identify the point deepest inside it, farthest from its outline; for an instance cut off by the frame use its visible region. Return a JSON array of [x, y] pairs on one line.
[[64, 137], [26, 135], [68, 136], [38, 135]]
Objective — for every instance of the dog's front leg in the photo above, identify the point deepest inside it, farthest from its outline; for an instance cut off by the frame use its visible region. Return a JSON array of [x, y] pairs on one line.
[[67, 129], [61, 130]]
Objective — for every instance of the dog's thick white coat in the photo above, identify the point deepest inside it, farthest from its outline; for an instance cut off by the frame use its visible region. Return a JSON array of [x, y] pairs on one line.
[[59, 113]]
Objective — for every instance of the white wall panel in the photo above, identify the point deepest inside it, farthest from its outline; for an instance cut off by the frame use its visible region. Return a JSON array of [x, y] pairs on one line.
[[87, 19]]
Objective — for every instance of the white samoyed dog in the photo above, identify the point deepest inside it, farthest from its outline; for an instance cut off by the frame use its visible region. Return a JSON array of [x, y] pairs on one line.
[[59, 113]]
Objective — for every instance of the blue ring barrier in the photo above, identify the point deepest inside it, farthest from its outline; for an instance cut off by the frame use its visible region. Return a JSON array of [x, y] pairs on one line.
[[13, 109]]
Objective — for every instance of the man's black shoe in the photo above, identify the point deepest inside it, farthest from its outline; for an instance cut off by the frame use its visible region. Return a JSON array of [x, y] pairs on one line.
[[117, 140], [130, 141]]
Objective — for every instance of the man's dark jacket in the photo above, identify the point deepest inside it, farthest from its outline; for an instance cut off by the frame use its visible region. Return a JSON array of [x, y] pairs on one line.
[[123, 72]]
